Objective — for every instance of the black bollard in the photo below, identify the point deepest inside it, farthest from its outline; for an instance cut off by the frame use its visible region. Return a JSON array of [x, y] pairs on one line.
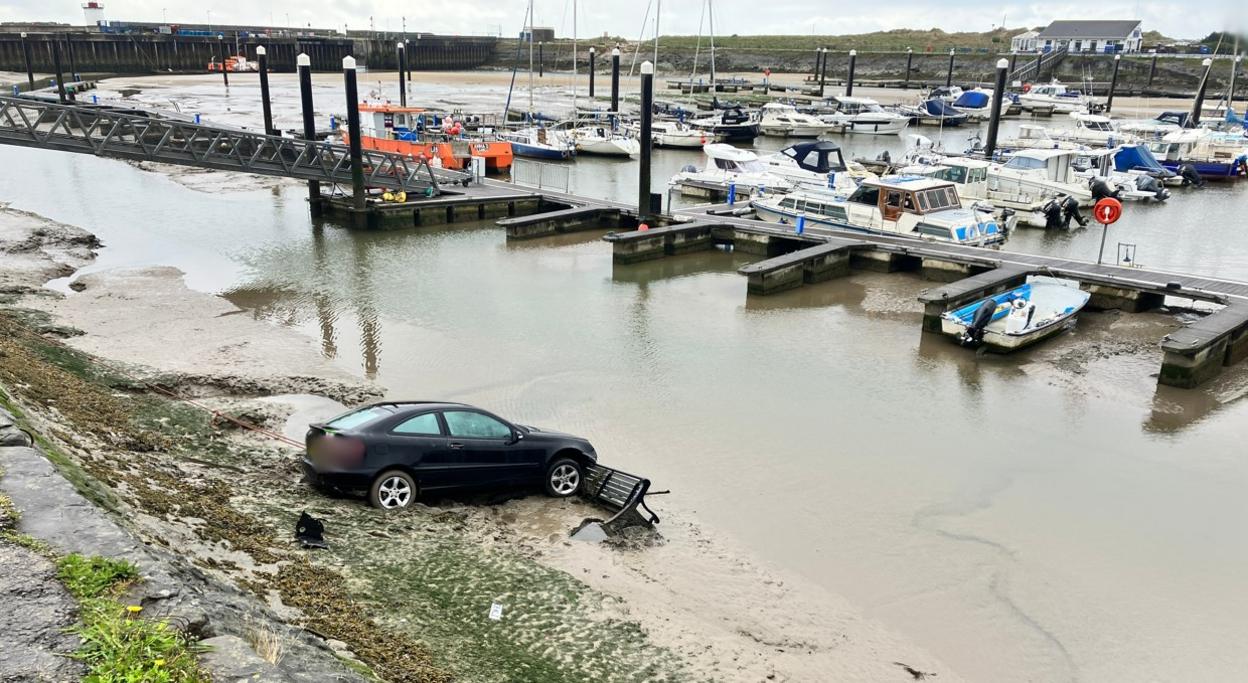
[[814, 77], [1113, 84], [1200, 93], [591, 73], [909, 61], [998, 99], [225, 73], [647, 118], [407, 47], [615, 80], [541, 59], [353, 132], [30, 71], [56, 64], [1039, 65], [949, 76], [402, 68], [823, 72], [849, 84], [304, 64], [1152, 70], [262, 62]]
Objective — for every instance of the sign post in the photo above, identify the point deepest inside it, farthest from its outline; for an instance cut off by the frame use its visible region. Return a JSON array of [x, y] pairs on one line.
[[1106, 211]]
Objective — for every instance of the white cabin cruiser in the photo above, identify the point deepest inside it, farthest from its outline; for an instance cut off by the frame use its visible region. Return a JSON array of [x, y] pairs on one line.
[[1093, 130], [1100, 167], [1061, 98], [600, 139], [1032, 136], [1040, 308], [785, 121], [729, 167], [817, 166], [1031, 174], [681, 135], [864, 116], [909, 206]]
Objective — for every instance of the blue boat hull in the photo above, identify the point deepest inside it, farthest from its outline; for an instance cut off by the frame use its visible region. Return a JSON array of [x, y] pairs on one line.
[[1209, 169], [538, 152]]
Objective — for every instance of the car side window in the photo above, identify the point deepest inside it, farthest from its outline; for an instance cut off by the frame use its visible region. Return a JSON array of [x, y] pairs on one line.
[[426, 425], [471, 425]]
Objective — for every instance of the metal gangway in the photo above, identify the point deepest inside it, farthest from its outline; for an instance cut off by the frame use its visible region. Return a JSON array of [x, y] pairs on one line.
[[147, 136]]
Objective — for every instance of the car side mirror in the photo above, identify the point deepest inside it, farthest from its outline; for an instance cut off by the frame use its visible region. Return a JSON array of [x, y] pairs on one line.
[[516, 437]]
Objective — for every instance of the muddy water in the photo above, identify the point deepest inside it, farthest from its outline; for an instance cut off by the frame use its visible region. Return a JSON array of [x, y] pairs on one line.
[[1053, 515]]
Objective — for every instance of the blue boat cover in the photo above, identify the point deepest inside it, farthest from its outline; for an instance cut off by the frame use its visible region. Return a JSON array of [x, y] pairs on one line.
[[1137, 157], [938, 107], [973, 99]]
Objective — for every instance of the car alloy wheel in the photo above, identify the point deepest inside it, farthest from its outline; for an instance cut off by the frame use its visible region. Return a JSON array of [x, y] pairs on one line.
[[565, 479], [394, 492]]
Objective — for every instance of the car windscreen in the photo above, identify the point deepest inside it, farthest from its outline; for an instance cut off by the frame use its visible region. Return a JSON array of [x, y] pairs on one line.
[[360, 417]]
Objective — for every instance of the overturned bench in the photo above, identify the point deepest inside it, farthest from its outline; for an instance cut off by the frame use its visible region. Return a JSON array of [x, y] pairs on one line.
[[620, 491]]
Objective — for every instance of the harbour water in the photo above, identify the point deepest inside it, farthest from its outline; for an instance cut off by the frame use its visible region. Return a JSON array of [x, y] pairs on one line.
[[1052, 515]]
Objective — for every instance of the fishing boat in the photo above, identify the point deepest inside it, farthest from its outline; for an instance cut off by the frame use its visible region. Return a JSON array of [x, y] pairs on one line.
[[680, 135], [728, 167], [864, 116], [1059, 97], [817, 165], [418, 132], [540, 142], [785, 121], [1034, 311], [909, 206], [731, 125]]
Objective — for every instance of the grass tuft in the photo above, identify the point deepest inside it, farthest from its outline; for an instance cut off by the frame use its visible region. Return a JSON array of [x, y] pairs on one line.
[[94, 577]]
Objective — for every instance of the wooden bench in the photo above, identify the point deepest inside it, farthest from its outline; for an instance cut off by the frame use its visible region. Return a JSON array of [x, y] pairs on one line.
[[623, 492]]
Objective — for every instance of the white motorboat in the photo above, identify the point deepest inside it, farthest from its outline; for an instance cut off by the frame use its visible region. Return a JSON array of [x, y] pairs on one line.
[[1093, 130], [910, 206], [1062, 99], [603, 141], [785, 121], [1032, 136], [817, 166], [947, 94], [1032, 174], [728, 168], [681, 135], [1034, 311], [977, 104], [1100, 168], [1155, 128], [864, 116]]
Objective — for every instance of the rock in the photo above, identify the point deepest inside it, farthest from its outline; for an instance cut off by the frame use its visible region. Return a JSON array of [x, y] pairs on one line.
[[33, 637], [11, 436], [230, 658]]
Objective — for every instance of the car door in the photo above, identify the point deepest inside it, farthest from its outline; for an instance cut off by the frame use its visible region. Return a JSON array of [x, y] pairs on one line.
[[419, 442], [484, 443]]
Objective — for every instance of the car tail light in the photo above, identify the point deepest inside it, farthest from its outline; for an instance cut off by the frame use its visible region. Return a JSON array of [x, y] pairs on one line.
[[335, 450]]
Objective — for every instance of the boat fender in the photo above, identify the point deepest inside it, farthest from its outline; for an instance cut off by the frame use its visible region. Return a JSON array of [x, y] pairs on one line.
[[983, 315]]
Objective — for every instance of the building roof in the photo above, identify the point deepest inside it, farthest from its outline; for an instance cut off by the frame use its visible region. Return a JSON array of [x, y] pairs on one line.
[[1026, 34], [1090, 29]]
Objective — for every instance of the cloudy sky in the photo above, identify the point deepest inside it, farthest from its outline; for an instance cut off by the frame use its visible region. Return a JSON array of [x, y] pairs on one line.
[[1177, 18]]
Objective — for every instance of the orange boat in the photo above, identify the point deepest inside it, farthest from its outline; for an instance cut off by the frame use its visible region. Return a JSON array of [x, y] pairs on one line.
[[390, 128]]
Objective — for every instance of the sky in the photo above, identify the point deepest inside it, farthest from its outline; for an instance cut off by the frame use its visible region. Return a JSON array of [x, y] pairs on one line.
[[803, 17]]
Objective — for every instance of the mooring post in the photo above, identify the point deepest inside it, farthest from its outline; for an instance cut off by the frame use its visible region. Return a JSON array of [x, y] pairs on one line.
[[823, 72], [1113, 84], [1199, 104], [56, 65], [402, 49], [814, 76], [849, 84], [998, 99], [909, 62], [1013, 62], [949, 76], [647, 118], [225, 73], [1039, 65], [1152, 70], [591, 73], [541, 59], [353, 131], [262, 61], [304, 65], [30, 70], [615, 80]]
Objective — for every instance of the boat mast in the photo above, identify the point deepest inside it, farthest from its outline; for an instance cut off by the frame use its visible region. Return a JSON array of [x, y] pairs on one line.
[[710, 16], [574, 74], [658, 9], [530, 60]]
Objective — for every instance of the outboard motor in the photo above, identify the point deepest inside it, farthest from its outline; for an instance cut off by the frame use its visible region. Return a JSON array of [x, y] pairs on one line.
[[1191, 176], [1052, 211], [983, 315], [688, 168], [1100, 189], [885, 157], [1147, 183], [1070, 210]]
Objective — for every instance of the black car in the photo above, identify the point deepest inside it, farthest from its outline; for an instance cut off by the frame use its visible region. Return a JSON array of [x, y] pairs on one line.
[[398, 450]]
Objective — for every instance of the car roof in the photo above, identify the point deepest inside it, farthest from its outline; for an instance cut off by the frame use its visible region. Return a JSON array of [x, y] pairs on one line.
[[431, 405]]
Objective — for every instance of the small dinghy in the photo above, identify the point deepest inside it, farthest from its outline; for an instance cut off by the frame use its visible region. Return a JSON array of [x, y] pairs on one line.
[[1019, 317]]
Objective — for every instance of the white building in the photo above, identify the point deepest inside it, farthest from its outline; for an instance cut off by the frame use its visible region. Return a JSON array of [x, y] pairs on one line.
[[1091, 36], [1025, 42], [93, 13]]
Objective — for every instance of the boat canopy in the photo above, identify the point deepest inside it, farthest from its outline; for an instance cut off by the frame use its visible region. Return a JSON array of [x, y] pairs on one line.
[[1137, 158], [1178, 118], [973, 99], [939, 107], [821, 156]]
